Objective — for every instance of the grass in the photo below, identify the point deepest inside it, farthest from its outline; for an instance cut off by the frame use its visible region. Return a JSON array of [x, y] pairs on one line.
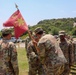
[[22, 61]]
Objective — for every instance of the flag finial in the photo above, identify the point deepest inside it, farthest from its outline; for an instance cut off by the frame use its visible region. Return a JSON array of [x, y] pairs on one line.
[[16, 6]]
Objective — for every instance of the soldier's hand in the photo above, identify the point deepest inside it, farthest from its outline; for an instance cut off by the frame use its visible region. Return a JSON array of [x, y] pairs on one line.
[[34, 42]]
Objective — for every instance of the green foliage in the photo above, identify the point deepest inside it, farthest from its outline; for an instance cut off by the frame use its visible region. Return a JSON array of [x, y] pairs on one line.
[[74, 32], [24, 36], [54, 25], [0, 34], [55, 31]]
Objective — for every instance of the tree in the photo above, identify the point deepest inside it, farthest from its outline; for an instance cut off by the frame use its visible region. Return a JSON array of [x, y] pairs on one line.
[[74, 32], [55, 31]]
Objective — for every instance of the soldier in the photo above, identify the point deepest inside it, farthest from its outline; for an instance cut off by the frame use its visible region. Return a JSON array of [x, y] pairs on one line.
[[66, 47], [73, 68], [74, 47], [50, 54], [27, 40], [8, 55], [35, 66]]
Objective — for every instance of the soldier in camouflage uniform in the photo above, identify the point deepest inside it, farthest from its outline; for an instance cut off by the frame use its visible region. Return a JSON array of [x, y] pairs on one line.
[[8, 55], [66, 47], [50, 54], [27, 40], [35, 66], [73, 67], [74, 47]]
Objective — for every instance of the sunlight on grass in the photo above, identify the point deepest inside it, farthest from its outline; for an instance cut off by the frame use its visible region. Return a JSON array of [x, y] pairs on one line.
[[22, 61]]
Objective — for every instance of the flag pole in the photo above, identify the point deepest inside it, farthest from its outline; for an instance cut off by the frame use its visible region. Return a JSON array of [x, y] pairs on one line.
[[33, 40], [29, 33], [16, 6]]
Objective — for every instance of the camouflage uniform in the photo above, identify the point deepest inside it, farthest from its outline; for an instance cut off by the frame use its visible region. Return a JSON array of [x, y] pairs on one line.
[[66, 47], [73, 67], [27, 40], [51, 55], [8, 58], [35, 67], [74, 49]]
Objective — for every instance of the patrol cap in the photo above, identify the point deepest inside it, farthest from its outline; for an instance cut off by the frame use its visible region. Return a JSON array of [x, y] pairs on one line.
[[6, 31], [38, 29], [62, 33]]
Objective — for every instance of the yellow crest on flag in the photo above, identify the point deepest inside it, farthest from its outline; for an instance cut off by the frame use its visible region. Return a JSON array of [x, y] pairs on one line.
[[19, 22]]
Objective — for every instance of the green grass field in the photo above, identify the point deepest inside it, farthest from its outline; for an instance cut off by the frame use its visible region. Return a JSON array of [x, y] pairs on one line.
[[23, 63]]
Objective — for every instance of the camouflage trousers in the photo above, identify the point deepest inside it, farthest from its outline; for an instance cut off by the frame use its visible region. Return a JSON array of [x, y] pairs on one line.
[[66, 70], [49, 70], [36, 69]]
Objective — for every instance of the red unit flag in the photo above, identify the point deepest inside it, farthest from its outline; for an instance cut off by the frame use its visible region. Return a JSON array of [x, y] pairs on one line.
[[16, 20]]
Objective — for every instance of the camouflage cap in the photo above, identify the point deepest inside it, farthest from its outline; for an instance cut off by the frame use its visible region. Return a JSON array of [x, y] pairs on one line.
[[38, 29], [62, 32], [6, 31]]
